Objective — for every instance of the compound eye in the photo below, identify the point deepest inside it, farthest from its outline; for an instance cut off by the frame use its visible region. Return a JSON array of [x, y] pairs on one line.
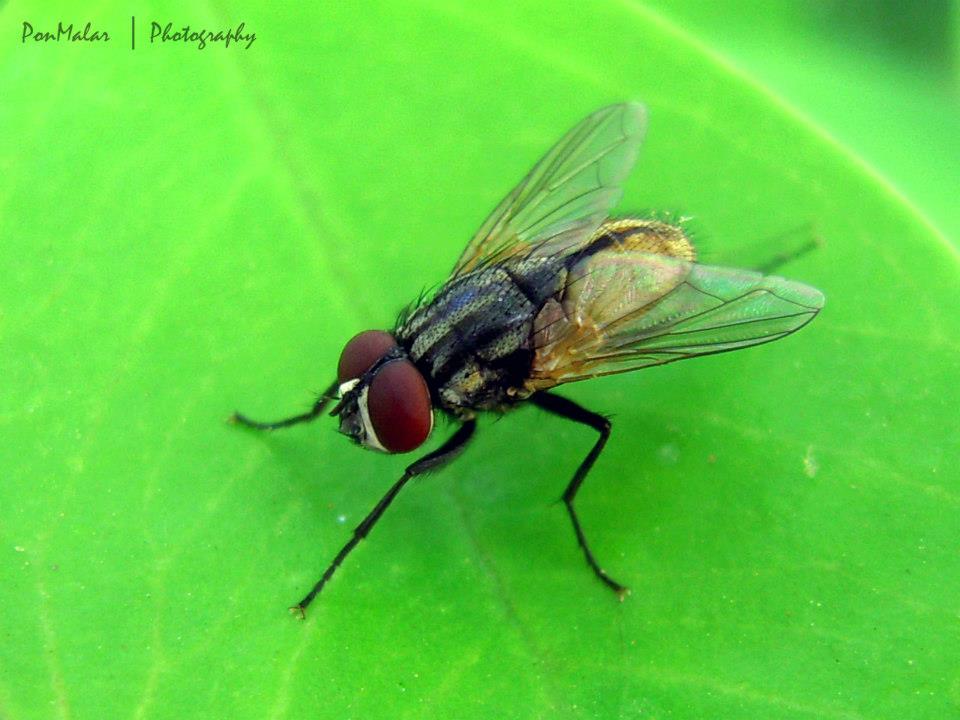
[[399, 406], [361, 352]]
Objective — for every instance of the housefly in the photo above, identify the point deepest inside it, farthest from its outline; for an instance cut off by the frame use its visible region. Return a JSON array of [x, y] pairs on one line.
[[549, 291]]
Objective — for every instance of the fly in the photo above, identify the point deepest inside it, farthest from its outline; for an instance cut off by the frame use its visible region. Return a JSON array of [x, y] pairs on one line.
[[549, 291]]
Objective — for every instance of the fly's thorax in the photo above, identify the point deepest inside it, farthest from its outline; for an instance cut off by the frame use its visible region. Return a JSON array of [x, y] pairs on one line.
[[472, 341]]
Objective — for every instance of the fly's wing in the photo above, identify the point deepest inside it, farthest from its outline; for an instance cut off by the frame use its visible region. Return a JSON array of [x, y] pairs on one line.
[[566, 195], [629, 310]]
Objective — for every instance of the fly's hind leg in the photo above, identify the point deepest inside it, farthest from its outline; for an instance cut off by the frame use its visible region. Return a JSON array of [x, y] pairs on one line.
[[795, 244], [312, 414], [571, 411]]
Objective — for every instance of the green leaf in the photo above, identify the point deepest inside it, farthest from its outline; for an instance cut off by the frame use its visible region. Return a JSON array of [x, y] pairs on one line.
[[186, 232]]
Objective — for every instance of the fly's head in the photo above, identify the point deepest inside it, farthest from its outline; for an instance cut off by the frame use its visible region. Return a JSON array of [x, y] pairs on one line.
[[384, 400]]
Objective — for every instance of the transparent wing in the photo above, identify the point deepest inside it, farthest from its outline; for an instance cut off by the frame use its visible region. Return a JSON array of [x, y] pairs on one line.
[[628, 311], [567, 194]]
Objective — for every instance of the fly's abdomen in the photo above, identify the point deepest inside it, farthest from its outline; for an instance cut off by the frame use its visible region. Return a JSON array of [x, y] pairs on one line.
[[473, 340]]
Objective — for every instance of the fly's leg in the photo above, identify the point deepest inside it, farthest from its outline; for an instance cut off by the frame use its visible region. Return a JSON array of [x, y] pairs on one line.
[[811, 241], [442, 455], [312, 414], [571, 411]]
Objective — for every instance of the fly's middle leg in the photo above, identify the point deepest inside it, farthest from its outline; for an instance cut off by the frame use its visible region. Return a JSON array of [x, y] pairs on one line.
[[442, 455], [571, 411]]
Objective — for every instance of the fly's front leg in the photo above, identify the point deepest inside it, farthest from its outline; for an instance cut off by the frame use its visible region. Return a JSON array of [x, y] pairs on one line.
[[571, 411], [312, 414], [442, 455]]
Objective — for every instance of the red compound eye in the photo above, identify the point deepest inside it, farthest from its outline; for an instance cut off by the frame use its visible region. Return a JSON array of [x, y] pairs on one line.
[[399, 406], [361, 352]]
